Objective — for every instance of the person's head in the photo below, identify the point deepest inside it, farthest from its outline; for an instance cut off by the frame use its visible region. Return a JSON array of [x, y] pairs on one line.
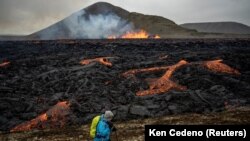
[[108, 115]]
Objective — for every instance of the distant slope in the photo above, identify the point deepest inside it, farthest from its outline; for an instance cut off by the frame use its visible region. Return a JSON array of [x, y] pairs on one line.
[[92, 21], [219, 27], [100, 20], [158, 25], [12, 37]]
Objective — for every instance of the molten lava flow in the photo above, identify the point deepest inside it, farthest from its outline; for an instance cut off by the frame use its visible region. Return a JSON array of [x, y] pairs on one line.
[[141, 34], [4, 64], [53, 117], [217, 66], [102, 60], [164, 84], [165, 87], [157, 37], [161, 85], [135, 71]]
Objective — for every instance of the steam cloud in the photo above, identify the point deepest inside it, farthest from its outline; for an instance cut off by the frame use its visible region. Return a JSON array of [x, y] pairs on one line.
[[83, 26]]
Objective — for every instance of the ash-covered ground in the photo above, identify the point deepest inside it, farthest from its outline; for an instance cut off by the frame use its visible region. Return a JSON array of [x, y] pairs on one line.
[[132, 130], [36, 75]]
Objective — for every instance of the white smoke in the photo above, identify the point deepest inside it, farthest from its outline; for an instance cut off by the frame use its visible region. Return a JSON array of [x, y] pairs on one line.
[[83, 26]]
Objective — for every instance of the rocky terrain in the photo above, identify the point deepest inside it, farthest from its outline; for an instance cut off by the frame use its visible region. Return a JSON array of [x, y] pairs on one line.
[[50, 84], [108, 20], [132, 130]]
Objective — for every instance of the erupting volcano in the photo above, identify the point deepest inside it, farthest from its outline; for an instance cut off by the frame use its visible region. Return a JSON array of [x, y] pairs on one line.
[[104, 20], [141, 34], [54, 117], [104, 58]]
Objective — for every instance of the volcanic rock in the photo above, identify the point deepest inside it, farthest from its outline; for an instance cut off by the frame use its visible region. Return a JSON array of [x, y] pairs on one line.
[[122, 112], [43, 73], [139, 110]]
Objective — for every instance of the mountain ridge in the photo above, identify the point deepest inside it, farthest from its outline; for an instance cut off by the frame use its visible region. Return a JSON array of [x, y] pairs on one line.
[[102, 19], [219, 27], [152, 24]]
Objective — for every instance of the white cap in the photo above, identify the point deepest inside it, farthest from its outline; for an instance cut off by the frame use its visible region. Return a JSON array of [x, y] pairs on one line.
[[108, 115]]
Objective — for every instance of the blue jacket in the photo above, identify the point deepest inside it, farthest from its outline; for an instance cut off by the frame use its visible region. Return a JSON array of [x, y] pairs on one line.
[[102, 130]]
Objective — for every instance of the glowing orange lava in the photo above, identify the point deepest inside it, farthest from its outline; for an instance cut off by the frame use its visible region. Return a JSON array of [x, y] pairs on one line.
[[102, 60], [53, 117], [135, 71], [164, 84], [4, 64], [141, 34], [157, 37], [218, 66]]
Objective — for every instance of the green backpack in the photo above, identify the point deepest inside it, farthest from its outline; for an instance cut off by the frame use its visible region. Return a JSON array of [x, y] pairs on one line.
[[93, 126]]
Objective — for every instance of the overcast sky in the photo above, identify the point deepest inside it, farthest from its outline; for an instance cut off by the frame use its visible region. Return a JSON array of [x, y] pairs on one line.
[[28, 16]]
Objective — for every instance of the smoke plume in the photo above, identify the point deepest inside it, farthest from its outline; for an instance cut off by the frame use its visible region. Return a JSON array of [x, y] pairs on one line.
[[84, 26]]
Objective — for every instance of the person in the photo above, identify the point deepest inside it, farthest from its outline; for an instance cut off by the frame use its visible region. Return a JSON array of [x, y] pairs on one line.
[[104, 127]]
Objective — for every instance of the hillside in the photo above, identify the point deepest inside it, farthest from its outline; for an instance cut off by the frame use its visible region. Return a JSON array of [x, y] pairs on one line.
[[103, 19], [12, 37], [219, 27]]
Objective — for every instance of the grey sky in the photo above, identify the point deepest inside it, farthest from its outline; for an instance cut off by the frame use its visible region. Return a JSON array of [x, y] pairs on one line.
[[28, 16]]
